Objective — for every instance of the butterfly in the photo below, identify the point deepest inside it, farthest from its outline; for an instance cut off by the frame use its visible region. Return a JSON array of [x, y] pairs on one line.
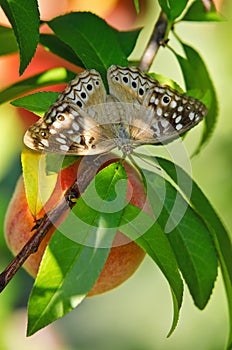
[[138, 110]]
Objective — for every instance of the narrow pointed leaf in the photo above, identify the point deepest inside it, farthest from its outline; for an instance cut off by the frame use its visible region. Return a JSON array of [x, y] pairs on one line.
[[136, 4], [25, 20], [222, 239], [55, 162], [166, 81], [197, 12], [189, 237], [37, 103], [70, 268], [173, 8], [8, 43], [91, 38], [67, 273], [50, 77], [141, 228], [59, 48], [38, 185], [127, 40]]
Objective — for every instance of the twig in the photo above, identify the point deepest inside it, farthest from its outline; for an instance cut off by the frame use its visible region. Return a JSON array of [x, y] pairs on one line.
[[157, 39]]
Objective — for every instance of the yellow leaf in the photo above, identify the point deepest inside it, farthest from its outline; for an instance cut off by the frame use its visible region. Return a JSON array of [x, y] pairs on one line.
[[38, 185]]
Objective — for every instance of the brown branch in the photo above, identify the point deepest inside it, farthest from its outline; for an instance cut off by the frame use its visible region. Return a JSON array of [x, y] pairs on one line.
[[157, 39]]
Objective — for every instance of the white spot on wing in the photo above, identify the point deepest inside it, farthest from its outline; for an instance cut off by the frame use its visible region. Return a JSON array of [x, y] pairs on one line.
[[164, 123], [45, 142], [75, 126], [60, 140], [74, 113], [173, 104], [76, 138], [179, 126], [191, 115], [57, 125], [159, 111], [156, 101], [64, 148]]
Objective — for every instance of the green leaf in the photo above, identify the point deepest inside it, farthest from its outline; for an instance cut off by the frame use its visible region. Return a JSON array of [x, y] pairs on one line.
[[91, 38], [50, 77], [25, 20], [155, 243], [173, 8], [196, 76], [8, 43], [70, 268], [136, 4], [221, 237], [100, 207], [59, 48], [38, 185], [37, 103], [197, 12], [127, 40], [166, 81], [56, 162], [67, 273], [189, 237]]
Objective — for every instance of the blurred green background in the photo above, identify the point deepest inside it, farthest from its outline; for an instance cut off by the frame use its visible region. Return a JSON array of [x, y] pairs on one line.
[[138, 314]]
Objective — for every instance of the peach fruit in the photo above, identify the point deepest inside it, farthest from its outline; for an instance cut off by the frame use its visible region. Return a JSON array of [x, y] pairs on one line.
[[125, 255]]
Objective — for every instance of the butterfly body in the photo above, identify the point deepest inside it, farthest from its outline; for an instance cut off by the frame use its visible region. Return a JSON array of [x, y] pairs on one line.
[[85, 120]]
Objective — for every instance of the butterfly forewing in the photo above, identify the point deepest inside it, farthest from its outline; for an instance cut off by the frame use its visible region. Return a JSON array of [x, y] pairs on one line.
[[87, 89], [129, 84]]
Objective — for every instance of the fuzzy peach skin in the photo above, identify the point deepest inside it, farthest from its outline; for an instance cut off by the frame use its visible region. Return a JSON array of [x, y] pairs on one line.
[[125, 255]]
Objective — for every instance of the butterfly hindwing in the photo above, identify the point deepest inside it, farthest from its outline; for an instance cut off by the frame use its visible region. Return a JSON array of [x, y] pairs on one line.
[[173, 113], [67, 126]]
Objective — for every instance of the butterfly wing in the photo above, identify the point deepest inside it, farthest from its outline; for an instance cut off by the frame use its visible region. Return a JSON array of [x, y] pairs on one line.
[[87, 89], [160, 113], [129, 84], [69, 126], [173, 113]]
